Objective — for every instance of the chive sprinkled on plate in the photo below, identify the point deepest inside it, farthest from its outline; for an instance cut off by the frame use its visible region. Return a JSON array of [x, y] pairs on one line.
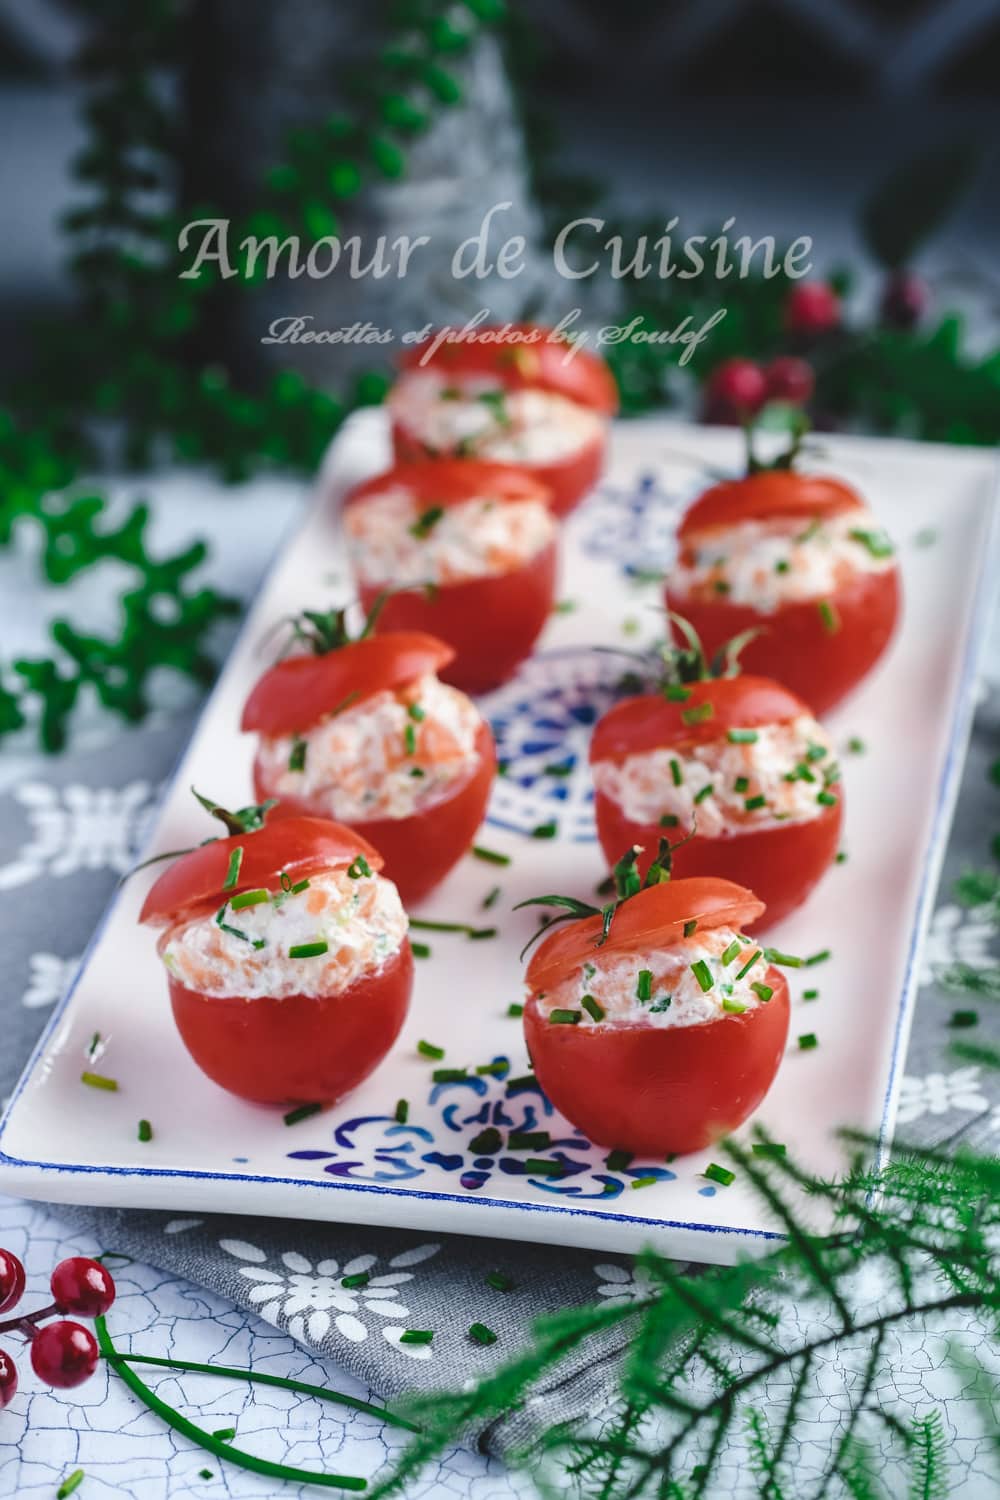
[[722, 1175], [703, 974], [564, 607], [487, 1142], [808, 1041], [545, 830], [491, 898], [428, 1049], [309, 950], [70, 1484], [355, 1279], [840, 858], [698, 713], [784, 960], [233, 872], [145, 1132], [480, 1334], [301, 1112], [515, 1010], [856, 746], [224, 1434], [539, 1167], [426, 924], [817, 958], [641, 1182], [401, 1113], [449, 1075], [499, 1281], [498, 1068], [98, 1081], [593, 1008], [769, 1148], [95, 1042], [529, 1140], [742, 736], [810, 994], [961, 1019], [417, 1336], [490, 856], [561, 769], [565, 1017], [617, 1161], [420, 950]]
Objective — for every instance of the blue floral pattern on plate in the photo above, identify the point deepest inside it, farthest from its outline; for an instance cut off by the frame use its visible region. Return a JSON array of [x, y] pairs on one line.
[[633, 525]]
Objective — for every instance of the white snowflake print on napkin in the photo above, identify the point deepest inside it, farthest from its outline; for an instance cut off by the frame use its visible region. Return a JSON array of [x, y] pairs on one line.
[[939, 1093], [49, 977], [79, 828], [307, 1300], [622, 1283], [957, 935]]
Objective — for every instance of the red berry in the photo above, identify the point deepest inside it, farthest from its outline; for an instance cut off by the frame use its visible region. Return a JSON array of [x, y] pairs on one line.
[[8, 1379], [812, 307], [64, 1354], [736, 389], [11, 1281], [790, 379], [904, 300], [82, 1286]]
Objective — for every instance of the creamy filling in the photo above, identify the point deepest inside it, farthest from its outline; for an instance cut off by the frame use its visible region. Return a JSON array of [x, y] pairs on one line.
[[766, 564], [251, 951], [787, 773], [694, 980], [477, 418], [390, 756], [393, 539]]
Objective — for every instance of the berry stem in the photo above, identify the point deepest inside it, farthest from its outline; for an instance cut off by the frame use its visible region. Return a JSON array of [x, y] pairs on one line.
[[26, 1322]]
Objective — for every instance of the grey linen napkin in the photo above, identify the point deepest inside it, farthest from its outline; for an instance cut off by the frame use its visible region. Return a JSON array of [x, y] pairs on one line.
[[68, 829]]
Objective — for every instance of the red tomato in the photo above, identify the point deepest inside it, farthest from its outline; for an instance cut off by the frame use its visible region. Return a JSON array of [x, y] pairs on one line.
[[491, 622], [543, 365], [420, 850], [300, 1048], [821, 649], [781, 863], [296, 693], [643, 1088]]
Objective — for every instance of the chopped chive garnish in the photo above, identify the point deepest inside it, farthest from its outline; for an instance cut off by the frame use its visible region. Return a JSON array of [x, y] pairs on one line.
[[703, 974], [818, 958], [690, 928], [480, 1334], [145, 1131], [808, 1041], [742, 974], [675, 771], [815, 752], [308, 950], [641, 1182], [356, 1279], [302, 1112], [753, 803], [426, 924], [426, 522], [416, 713], [742, 736], [420, 950], [449, 1075], [564, 1017], [529, 1140], [741, 784], [298, 887], [617, 1160], [676, 692], [297, 756], [417, 771], [659, 1006], [491, 856], [564, 607], [963, 1018], [359, 866], [644, 985], [669, 820], [769, 1148], [829, 616], [722, 1175], [71, 1483], [428, 1049], [545, 830], [782, 565], [499, 1282], [762, 991], [878, 544], [734, 1007], [731, 952], [495, 1069], [491, 898], [402, 1111], [786, 960], [840, 858], [539, 1167], [95, 1042], [417, 1336], [205, 1474], [410, 739], [593, 1008], [233, 873], [524, 1081], [810, 994], [826, 799], [559, 770], [224, 1434], [249, 898], [98, 1081], [856, 746], [487, 1142], [706, 791], [514, 1010], [697, 713]]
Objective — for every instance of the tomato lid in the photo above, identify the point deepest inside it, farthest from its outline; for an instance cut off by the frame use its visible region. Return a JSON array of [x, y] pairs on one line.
[[298, 692], [708, 712], [769, 493], [653, 918], [450, 481], [296, 847], [543, 365]]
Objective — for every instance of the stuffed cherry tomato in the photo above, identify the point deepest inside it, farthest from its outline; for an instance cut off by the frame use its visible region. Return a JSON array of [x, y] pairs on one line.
[[288, 963], [738, 769], [667, 1035], [364, 732], [801, 558], [483, 535], [538, 403]]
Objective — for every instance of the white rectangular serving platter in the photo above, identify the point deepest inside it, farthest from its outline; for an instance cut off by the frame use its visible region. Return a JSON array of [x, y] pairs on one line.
[[62, 1141]]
